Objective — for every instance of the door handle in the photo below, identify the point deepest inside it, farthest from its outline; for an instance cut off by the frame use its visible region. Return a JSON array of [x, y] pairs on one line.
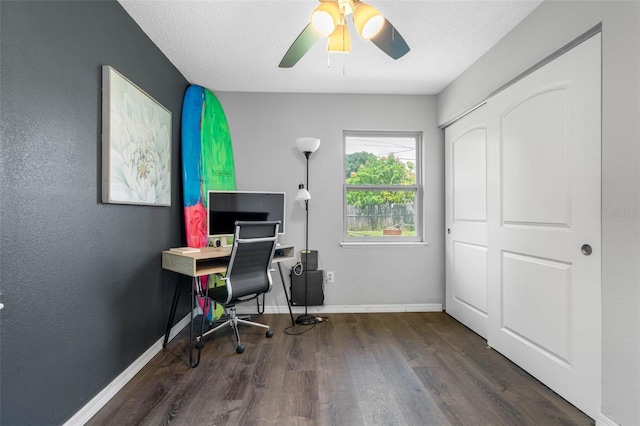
[[586, 249]]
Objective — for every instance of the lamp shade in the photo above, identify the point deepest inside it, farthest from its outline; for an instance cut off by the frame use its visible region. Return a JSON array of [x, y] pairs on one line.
[[325, 17], [308, 144], [302, 193], [339, 40], [368, 20]]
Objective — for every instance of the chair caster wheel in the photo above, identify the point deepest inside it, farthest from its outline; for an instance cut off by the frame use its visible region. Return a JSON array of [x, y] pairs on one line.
[[240, 349], [269, 333]]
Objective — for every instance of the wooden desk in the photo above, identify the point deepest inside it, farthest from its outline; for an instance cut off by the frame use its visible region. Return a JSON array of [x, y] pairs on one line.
[[207, 261], [210, 260]]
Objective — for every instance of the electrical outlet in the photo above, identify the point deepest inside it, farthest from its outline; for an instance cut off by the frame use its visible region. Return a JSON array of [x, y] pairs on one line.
[[330, 277]]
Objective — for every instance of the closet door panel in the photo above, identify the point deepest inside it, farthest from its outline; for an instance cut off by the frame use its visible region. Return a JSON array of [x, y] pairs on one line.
[[544, 190], [466, 218]]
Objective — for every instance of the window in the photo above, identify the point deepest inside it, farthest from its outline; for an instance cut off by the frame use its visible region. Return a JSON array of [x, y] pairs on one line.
[[382, 193]]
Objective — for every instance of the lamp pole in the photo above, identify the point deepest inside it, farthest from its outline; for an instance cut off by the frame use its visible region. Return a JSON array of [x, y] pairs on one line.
[[306, 319]]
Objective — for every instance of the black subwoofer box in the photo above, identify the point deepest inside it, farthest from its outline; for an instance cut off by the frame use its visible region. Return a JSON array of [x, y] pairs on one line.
[[315, 291]]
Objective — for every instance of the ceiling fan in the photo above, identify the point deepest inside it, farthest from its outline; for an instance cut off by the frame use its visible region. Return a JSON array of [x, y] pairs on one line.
[[328, 20]]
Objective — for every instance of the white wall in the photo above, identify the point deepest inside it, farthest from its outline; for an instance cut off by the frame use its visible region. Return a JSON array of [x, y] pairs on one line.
[[548, 28], [264, 127]]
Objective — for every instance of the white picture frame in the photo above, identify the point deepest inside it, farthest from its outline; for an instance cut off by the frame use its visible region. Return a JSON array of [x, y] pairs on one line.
[[136, 144]]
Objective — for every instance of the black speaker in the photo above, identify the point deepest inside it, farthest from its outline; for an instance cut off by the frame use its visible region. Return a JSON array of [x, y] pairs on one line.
[[315, 290]]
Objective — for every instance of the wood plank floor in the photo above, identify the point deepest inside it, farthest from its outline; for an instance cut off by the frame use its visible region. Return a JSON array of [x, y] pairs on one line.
[[354, 369]]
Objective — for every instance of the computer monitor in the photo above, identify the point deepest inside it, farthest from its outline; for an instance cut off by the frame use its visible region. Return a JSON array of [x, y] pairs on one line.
[[226, 207]]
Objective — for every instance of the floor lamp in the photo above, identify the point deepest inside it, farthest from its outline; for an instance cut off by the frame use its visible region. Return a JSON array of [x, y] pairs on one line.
[[307, 146]]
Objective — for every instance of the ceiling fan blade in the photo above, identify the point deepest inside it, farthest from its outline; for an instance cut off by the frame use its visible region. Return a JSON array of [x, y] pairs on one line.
[[303, 43], [390, 41]]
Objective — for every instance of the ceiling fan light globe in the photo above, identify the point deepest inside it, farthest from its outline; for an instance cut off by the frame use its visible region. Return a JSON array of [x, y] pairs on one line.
[[322, 23], [325, 18], [372, 27], [339, 40], [368, 20]]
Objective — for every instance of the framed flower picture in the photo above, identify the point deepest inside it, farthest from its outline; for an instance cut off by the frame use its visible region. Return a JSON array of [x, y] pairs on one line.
[[136, 144]]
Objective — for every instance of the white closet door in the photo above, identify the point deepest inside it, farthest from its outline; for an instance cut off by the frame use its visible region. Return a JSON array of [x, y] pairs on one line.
[[466, 220], [544, 165]]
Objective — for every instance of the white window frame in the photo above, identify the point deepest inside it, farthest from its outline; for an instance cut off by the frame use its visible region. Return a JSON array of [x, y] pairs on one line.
[[417, 188]]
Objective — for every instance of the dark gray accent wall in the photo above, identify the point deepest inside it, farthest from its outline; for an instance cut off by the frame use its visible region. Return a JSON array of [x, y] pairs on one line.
[[81, 281]]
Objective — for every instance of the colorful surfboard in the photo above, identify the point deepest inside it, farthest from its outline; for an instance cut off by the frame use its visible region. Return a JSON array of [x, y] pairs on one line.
[[207, 164]]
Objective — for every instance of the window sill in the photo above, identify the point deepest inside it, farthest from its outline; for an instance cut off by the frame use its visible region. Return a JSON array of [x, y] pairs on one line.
[[386, 244]]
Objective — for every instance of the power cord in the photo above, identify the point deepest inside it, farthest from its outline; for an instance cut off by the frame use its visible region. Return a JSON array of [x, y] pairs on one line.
[[311, 327], [290, 333]]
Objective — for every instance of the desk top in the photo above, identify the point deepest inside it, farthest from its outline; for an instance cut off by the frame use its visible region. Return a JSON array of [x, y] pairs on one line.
[[210, 260], [204, 252]]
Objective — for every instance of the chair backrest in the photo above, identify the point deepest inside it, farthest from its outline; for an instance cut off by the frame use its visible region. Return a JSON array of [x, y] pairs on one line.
[[248, 273]]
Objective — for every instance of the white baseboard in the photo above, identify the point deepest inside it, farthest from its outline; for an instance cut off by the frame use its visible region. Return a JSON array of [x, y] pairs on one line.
[[603, 420], [344, 309], [92, 407]]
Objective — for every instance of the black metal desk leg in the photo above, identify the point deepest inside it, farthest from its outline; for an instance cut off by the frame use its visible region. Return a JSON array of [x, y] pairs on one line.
[[195, 293], [172, 313], [286, 295]]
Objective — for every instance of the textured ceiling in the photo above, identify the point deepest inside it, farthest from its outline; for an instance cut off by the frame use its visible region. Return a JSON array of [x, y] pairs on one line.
[[237, 45]]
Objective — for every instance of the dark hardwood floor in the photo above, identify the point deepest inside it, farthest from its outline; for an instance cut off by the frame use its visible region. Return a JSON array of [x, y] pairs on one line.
[[354, 369]]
